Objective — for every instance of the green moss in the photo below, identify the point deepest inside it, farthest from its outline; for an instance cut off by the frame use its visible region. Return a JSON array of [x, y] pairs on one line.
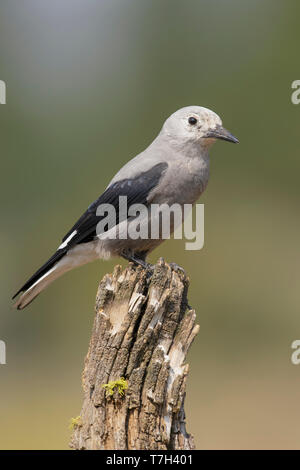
[[75, 423], [120, 385]]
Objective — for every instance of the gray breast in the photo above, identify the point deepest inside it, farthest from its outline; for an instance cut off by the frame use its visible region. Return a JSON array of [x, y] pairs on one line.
[[183, 183]]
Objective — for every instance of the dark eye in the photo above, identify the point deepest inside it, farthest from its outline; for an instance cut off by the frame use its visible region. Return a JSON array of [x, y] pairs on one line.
[[192, 121]]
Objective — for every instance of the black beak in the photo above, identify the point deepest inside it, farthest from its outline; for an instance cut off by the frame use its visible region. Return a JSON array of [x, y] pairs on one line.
[[220, 133]]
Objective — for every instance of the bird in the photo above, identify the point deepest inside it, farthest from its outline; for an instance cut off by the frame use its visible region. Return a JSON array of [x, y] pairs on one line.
[[173, 169]]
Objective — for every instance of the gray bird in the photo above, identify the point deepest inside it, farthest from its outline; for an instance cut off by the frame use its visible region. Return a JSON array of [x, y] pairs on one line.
[[173, 169]]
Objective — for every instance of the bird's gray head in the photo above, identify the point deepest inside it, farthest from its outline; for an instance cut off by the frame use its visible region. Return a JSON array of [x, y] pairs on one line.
[[195, 124]]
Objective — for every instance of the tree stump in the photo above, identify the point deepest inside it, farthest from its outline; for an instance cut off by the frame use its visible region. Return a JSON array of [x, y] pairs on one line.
[[142, 331]]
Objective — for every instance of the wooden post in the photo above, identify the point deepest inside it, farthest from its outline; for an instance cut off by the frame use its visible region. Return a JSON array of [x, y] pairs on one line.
[[142, 331]]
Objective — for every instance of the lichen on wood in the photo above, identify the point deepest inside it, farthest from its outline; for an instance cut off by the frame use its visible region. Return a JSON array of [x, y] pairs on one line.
[[142, 331]]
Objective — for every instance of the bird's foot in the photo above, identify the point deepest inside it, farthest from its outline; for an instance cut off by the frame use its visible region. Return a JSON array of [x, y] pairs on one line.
[[144, 264], [138, 261], [176, 268]]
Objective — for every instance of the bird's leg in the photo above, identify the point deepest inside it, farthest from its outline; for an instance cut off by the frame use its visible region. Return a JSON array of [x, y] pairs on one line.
[[129, 256]]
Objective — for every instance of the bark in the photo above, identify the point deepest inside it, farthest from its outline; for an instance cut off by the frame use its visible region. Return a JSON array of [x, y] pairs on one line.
[[142, 331]]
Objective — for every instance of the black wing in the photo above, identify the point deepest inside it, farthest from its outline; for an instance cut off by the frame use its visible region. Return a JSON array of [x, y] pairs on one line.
[[136, 189]]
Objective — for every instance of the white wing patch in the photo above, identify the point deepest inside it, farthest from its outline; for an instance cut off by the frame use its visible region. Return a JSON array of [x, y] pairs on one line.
[[65, 243]]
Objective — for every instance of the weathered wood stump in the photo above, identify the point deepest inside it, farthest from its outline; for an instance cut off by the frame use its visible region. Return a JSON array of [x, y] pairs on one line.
[[142, 331]]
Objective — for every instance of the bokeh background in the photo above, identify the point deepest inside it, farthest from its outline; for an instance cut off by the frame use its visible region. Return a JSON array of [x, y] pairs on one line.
[[89, 84]]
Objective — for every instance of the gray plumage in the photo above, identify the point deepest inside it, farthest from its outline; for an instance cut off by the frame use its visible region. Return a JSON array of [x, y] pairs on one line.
[[174, 169]]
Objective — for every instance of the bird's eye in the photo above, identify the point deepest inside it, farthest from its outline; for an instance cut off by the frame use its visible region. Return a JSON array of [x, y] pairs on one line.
[[192, 121]]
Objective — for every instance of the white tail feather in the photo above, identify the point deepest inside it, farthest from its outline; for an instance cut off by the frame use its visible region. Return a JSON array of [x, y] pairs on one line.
[[37, 287], [77, 256]]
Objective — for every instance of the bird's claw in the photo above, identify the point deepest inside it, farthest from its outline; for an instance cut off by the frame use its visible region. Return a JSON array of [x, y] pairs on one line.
[[144, 264], [137, 261], [175, 267]]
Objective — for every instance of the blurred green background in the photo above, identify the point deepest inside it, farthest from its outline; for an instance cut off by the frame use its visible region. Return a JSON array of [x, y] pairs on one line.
[[89, 84]]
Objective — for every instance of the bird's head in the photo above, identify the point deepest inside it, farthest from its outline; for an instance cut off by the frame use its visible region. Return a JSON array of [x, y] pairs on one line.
[[195, 124]]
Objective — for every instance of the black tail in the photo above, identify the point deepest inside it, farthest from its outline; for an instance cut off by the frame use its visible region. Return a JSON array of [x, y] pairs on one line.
[[43, 269]]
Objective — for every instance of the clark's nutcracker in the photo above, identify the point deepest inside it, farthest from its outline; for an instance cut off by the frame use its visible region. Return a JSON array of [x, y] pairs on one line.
[[173, 169]]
